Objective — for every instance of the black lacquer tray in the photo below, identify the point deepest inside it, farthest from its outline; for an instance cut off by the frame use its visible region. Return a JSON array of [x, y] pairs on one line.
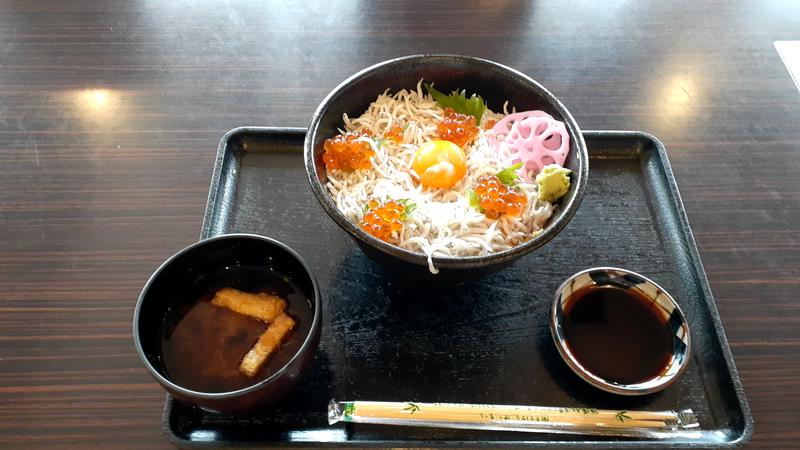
[[470, 339]]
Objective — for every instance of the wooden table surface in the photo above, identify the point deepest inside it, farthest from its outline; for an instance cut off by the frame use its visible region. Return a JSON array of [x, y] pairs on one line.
[[110, 114]]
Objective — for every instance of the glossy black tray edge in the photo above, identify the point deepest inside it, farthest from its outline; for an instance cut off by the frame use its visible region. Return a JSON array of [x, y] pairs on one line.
[[215, 210]]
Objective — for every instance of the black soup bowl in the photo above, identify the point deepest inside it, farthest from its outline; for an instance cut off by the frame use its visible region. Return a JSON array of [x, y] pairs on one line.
[[161, 297], [495, 83]]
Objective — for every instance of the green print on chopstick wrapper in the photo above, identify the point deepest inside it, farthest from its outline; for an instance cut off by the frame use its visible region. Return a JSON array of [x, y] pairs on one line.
[[349, 408], [412, 408]]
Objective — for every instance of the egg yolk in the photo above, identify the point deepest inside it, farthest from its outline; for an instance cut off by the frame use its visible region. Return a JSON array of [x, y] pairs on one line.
[[439, 164]]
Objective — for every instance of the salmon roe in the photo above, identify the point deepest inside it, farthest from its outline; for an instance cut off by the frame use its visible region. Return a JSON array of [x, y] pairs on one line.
[[496, 198], [384, 221], [457, 128], [489, 124], [344, 152], [395, 134]]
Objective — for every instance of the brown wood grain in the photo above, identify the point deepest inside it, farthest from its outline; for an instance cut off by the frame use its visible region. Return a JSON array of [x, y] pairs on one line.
[[110, 113]]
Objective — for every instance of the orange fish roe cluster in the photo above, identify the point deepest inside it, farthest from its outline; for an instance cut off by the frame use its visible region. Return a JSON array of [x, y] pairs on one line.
[[382, 221], [395, 134], [457, 128], [342, 152], [496, 198]]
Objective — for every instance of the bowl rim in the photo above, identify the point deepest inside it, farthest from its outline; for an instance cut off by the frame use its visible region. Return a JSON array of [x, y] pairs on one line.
[[551, 229], [641, 388], [189, 393]]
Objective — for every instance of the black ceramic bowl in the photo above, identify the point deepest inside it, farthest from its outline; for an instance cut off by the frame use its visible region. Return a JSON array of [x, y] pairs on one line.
[[208, 256], [496, 84]]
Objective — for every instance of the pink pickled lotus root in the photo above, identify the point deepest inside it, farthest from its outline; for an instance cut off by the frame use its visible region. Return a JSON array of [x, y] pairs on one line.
[[531, 137]]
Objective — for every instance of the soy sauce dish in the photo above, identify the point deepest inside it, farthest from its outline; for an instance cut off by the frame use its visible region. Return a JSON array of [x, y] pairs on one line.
[[228, 324], [620, 331]]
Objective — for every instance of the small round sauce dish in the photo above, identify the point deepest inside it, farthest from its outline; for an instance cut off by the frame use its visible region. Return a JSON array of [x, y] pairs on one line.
[[620, 331]]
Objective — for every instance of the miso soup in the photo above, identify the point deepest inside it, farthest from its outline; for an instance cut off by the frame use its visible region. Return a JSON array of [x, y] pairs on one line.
[[202, 344]]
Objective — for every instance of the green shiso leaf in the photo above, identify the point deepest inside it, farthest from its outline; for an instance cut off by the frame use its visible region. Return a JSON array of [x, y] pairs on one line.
[[458, 102], [474, 201], [509, 175], [410, 207]]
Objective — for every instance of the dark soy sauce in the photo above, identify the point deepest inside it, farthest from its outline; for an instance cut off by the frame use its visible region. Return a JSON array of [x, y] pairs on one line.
[[617, 334], [202, 344]]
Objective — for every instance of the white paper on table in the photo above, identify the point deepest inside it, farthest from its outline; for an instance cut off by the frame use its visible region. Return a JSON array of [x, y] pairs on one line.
[[790, 54]]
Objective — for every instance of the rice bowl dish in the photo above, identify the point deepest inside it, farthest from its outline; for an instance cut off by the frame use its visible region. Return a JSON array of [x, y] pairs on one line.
[[444, 176]]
